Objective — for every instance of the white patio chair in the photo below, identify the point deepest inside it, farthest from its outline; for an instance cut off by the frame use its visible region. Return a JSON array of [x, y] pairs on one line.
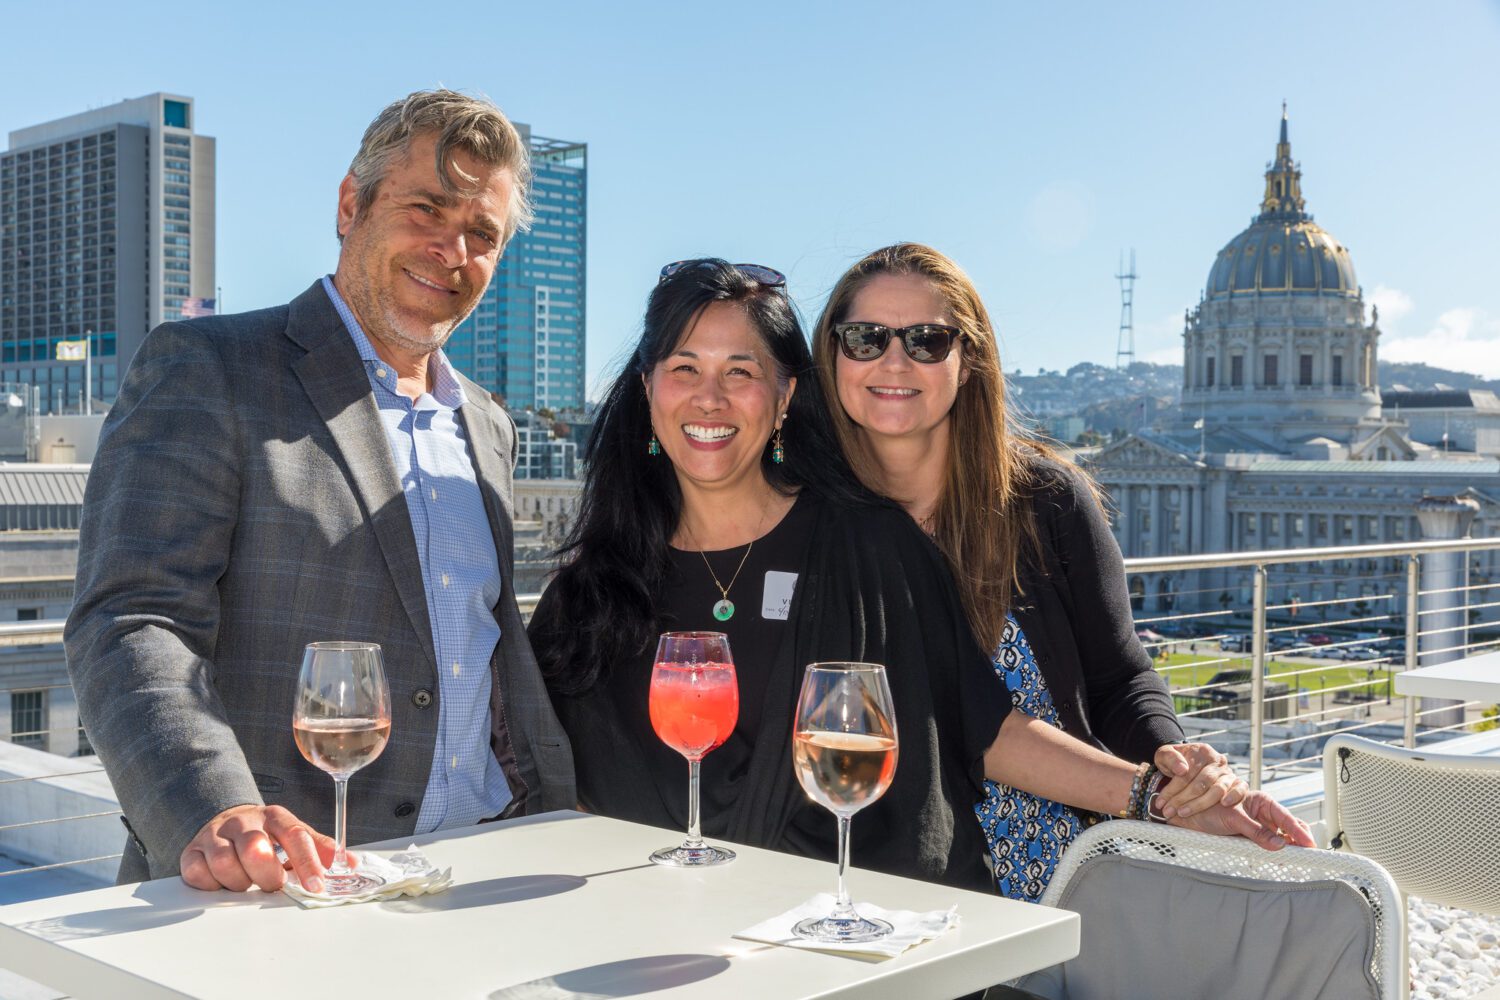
[[1174, 913], [1430, 819]]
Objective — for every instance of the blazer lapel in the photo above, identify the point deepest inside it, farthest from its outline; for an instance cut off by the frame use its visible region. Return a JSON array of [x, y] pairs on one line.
[[492, 464], [333, 376]]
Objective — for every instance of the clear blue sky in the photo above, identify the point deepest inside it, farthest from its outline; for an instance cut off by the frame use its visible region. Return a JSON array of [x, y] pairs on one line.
[[1031, 142]]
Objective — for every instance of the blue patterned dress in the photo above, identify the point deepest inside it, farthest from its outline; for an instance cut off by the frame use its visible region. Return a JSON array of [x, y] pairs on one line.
[[1026, 834]]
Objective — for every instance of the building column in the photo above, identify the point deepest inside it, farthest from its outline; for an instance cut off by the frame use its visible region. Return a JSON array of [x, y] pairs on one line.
[[1158, 521], [62, 721], [1444, 620]]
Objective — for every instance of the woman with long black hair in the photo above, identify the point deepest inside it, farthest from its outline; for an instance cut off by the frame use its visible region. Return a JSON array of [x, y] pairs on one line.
[[715, 482]]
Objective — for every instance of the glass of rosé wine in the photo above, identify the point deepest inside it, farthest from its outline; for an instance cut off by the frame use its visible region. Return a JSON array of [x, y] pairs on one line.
[[341, 722], [844, 749], [695, 702]]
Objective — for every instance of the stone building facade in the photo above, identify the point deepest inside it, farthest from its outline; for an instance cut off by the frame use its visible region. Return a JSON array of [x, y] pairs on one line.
[[1281, 440]]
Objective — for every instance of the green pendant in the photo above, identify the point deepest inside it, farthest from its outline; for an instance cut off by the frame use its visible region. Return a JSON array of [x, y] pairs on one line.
[[724, 610]]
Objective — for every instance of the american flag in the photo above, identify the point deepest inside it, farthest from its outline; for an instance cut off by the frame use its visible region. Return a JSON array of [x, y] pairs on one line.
[[196, 308]]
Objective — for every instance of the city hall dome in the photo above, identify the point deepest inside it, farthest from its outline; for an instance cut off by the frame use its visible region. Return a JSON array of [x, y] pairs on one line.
[[1279, 341], [1283, 251]]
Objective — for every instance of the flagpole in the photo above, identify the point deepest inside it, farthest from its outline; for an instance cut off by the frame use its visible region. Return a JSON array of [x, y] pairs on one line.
[[88, 373]]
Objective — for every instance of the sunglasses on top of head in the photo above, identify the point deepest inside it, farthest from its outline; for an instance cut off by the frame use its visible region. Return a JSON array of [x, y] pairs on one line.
[[925, 343], [759, 273]]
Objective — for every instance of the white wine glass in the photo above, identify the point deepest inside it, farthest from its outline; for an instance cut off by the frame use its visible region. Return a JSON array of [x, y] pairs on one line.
[[844, 748], [341, 722]]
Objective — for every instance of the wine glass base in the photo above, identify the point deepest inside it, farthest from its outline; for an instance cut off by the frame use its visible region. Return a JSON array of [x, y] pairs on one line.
[[351, 883], [839, 930], [692, 857]]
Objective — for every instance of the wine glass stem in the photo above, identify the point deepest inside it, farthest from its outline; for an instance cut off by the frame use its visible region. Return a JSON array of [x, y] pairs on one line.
[[695, 834], [340, 864], [842, 908]]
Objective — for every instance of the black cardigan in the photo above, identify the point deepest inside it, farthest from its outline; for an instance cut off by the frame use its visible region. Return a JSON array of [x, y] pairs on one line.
[[1075, 611], [872, 587]]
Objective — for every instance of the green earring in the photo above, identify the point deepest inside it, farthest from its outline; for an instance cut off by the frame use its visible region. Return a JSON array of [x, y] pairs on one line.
[[653, 447], [778, 451]]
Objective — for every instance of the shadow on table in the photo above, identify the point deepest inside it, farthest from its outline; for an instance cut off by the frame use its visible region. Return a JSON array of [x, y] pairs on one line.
[[164, 908], [490, 892], [627, 978]]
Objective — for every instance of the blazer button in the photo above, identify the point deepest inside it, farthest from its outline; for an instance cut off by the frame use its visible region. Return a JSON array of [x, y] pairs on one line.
[[421, 697], [405, 809]]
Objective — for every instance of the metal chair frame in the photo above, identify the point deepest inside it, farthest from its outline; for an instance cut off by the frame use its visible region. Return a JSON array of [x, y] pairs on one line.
[[1201, 852]]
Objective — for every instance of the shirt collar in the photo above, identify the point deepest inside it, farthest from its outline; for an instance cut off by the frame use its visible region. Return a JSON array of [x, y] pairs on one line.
[[446, 389]]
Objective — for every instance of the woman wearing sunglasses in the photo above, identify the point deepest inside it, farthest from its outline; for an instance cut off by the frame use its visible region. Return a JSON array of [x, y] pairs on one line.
[[717, 498], [905, 348]]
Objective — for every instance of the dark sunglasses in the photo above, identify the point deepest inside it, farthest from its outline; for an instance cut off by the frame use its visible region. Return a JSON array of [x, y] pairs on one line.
[[768, 276], [927, 343]]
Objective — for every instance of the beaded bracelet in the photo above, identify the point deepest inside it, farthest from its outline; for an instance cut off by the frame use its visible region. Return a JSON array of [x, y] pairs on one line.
[[1143, 797], [1129, 812]]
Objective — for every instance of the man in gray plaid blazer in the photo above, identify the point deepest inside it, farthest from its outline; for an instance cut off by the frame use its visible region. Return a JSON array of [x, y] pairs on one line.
[[310, 472]]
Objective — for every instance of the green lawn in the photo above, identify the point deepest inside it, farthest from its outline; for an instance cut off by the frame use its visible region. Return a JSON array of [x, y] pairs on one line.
[[1187, 669]]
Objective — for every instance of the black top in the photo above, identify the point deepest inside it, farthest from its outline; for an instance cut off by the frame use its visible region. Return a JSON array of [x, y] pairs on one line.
[[870, 587], [761, 593], [1075, 612]]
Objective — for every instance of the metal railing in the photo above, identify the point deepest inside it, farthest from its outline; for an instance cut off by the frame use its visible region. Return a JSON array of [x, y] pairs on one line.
[[1211, 709], [1388, 607]]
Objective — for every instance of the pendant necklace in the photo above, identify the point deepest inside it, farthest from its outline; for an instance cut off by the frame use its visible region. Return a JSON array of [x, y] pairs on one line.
[[724, 609]]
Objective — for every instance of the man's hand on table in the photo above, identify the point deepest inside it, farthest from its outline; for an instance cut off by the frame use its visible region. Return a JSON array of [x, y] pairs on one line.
[[237, 849]]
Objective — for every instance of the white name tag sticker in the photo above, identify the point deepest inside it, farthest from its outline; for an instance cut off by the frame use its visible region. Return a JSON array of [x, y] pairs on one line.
[[776, 603]]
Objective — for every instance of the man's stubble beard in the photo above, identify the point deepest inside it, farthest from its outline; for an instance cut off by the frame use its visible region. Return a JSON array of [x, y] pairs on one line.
[[392, 334], [380, 309], [387, 321]]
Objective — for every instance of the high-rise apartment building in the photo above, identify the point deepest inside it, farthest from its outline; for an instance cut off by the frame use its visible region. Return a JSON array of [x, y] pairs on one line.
[[106, 230], [525, 339]]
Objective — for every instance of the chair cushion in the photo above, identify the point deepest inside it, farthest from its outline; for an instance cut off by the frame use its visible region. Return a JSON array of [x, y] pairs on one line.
[[1152, 930]]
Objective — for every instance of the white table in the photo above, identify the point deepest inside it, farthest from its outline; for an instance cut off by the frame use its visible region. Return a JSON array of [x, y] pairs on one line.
[[1474, 678], [549, 906]]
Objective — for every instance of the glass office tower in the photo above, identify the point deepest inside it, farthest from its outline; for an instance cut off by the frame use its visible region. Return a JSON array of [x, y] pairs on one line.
[[106, 230], [525, 339]]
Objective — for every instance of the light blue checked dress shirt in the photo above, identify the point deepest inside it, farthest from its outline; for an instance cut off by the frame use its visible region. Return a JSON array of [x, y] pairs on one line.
[[460, 573]]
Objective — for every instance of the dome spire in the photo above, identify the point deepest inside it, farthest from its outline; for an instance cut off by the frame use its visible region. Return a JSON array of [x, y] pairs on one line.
[[1283, 199]]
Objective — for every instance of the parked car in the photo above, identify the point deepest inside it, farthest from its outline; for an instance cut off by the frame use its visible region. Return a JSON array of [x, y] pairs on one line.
[[1229, 677], [1237, 643], [1318, 639]]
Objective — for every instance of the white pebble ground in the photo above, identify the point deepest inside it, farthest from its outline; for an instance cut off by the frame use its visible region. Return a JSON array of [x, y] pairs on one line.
[[1454, 953]]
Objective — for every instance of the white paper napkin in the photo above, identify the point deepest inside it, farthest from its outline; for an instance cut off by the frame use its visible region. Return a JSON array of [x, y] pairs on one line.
[[408, 873], [911, 928]]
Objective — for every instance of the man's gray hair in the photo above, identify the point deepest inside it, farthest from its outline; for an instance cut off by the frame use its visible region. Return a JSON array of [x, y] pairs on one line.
[[458, 122]]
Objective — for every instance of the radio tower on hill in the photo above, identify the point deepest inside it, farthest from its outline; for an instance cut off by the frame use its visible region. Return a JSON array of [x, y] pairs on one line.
[[1125, 345]]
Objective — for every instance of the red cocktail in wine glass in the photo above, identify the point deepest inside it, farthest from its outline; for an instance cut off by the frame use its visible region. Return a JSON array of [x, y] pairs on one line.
[[695, 702]]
